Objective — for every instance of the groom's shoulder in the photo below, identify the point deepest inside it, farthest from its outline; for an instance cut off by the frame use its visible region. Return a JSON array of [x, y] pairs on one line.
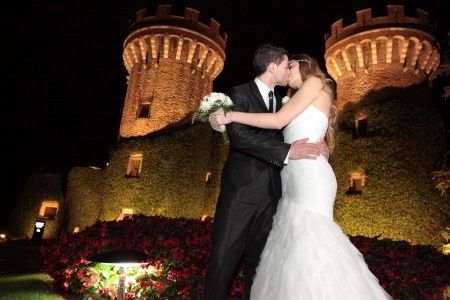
[[241, 88]]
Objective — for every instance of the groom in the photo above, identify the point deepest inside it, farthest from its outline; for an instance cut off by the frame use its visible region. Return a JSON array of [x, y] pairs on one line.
[[251, 183]]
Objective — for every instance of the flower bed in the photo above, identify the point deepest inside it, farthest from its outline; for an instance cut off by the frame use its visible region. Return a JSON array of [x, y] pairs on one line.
[[177, 252]]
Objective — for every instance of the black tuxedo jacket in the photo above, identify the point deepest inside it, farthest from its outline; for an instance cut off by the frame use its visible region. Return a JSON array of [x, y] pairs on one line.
[[255, 156]]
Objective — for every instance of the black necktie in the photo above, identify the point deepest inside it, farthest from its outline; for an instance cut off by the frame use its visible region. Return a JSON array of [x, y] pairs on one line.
[[271, 101]]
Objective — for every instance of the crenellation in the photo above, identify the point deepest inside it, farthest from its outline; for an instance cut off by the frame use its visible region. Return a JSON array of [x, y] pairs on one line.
[[163, 11], [424, 16], [364, 20], [140, 15], [191, 15], [336, 28], [391, 46], [395, 13], [214, 26], [190, 21]]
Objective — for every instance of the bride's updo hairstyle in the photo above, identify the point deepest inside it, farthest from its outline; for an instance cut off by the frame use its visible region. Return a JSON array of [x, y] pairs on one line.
[[308, 67]]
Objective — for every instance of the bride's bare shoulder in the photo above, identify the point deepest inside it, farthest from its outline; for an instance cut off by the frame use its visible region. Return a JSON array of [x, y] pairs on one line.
[[313, 81], [313, 85]]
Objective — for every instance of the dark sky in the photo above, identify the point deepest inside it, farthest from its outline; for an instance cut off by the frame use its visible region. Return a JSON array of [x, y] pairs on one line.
[[64, 80]]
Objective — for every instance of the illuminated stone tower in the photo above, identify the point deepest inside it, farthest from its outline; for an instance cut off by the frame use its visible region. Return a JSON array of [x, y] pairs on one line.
[[376, 52], [172, 62], [390, 136]]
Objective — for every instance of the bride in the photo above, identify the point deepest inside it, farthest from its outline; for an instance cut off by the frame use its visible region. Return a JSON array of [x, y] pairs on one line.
[[307, 256]]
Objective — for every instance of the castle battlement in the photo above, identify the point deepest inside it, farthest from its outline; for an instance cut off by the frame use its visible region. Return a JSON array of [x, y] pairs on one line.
[[190, 21], [393, 50], [181, 38], [365, 21]]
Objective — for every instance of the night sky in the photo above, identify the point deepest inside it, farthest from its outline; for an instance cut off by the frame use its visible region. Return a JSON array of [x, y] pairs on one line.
[[64, 81]]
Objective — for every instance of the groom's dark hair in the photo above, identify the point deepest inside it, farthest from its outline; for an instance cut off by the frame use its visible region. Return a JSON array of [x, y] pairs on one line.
[[265, 55]]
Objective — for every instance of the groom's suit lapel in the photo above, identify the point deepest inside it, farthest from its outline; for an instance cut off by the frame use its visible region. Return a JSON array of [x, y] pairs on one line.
[[255, 91]]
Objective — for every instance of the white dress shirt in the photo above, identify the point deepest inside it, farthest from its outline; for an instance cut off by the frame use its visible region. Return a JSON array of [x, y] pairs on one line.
[[264, 90]]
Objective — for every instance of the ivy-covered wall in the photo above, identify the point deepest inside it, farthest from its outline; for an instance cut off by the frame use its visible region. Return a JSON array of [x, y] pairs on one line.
[[403, 146], [39, 187], [85, 194], [171, 183]]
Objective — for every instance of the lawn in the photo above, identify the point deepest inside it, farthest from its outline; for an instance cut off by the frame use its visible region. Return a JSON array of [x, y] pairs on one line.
[[20, 276], [36, 286]]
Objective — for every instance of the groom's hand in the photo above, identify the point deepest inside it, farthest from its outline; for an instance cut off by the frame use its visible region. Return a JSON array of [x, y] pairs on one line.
[[323, 148], [302, 149]]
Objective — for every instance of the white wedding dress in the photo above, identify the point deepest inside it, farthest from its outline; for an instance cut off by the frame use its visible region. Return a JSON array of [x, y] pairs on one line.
[[307, 256]]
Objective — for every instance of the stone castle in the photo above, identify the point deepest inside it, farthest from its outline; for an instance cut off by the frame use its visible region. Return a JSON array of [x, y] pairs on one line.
[[163, 165], [172, 62], [390, 136]]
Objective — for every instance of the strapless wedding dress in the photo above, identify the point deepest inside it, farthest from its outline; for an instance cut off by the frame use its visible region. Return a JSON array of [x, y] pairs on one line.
[[307, 256]]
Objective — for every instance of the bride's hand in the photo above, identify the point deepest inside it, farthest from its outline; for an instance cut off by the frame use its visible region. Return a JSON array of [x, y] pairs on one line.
[[218, 120], [223, 119]]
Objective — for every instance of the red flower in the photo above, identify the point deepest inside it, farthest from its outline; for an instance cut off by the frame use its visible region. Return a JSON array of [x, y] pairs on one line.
[[159, 286], [179, 248], [81, 274]]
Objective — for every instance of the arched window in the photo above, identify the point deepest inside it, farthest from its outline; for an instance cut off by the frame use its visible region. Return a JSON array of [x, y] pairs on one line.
[[208, 177], [134, 165], [361, 125], [446, 94], [49, 209], [357, 182], [126, 213], [144, 111]]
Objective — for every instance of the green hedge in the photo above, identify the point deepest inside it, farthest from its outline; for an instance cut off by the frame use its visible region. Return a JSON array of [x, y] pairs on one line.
[[39, 187], [171, 183], [403, 147], [85, 194]]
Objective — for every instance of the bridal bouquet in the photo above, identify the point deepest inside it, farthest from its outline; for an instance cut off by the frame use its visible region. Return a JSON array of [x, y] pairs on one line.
[[213, 103]]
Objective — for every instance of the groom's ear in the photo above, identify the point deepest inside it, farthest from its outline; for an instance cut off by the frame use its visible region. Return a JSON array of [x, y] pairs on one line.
[[271, 67]]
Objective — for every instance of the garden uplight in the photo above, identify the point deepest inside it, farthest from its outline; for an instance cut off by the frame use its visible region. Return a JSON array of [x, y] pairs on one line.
[[446, 249], [122, 259]]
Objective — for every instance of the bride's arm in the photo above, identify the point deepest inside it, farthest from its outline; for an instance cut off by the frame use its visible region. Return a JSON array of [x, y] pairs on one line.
[[296, 105]]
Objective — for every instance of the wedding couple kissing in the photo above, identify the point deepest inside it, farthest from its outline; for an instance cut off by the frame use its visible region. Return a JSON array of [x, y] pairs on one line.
[[275, 207]]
